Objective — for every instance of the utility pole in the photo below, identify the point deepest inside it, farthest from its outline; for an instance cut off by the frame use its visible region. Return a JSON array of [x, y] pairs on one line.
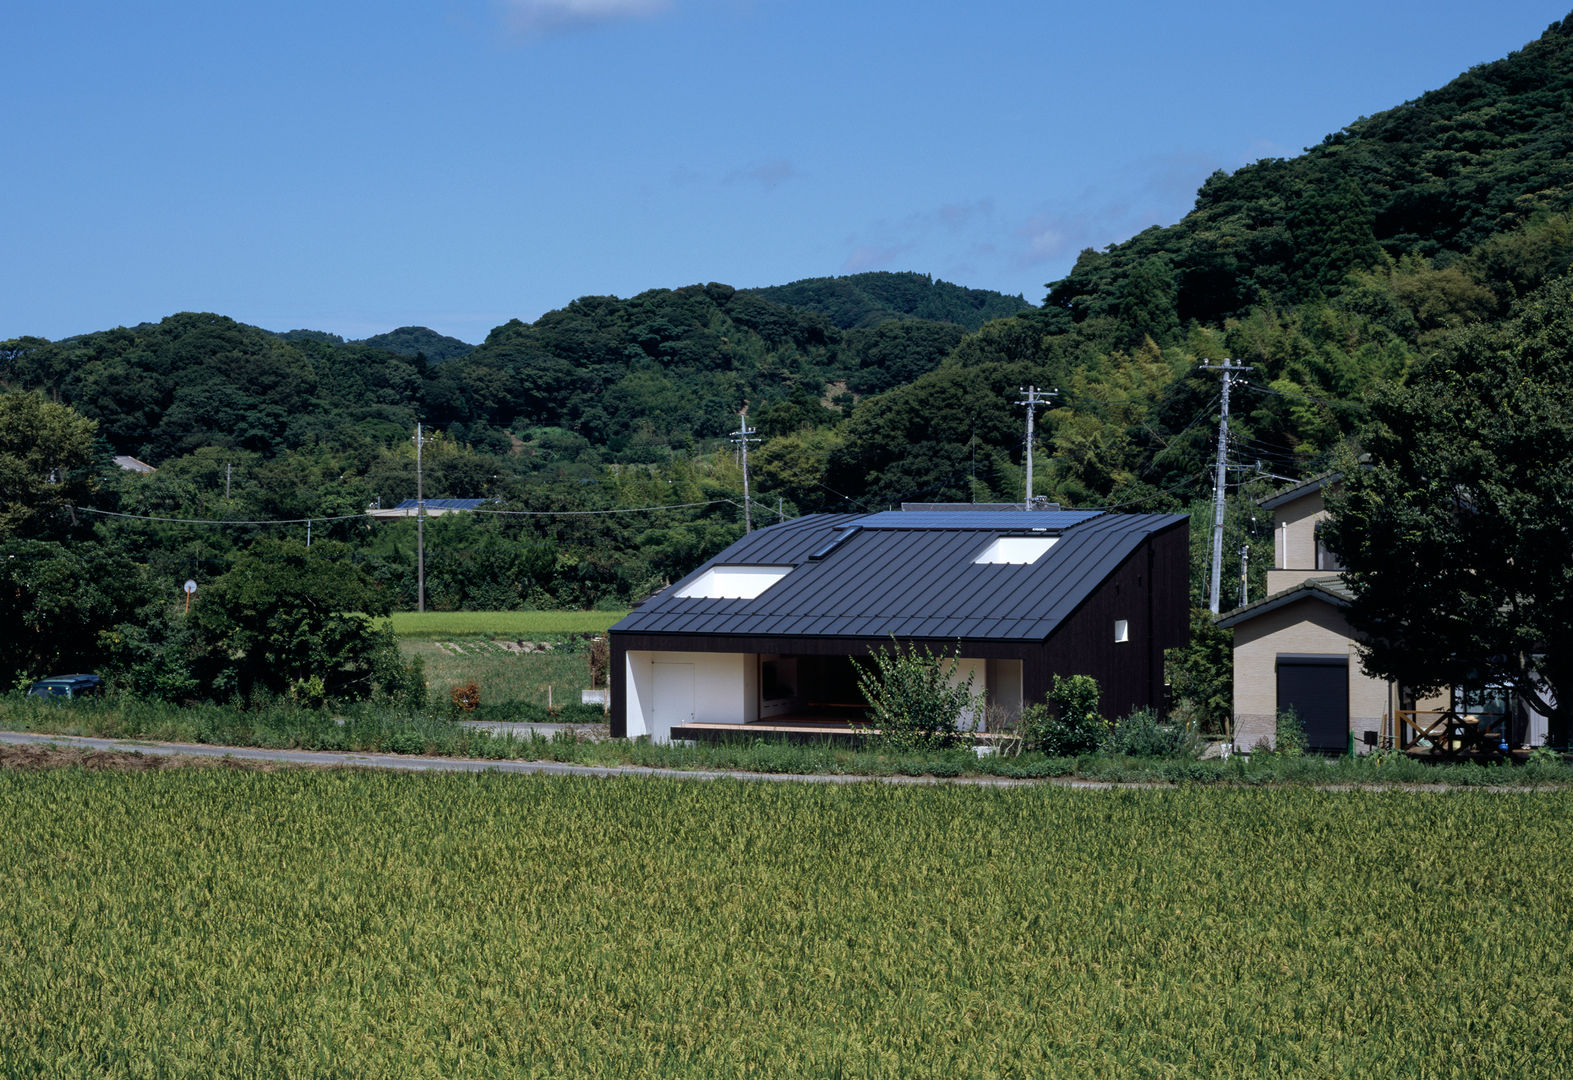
[[226, 481], [743, 436], [1245, 572], [1034, 397], [420, 526], [1229, 369]]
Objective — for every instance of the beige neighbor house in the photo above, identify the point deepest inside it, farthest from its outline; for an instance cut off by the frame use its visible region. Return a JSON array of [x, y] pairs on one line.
[[1294, 649]]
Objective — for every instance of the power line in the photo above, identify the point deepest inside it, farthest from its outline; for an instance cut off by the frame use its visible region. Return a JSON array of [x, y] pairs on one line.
[[221, 521], [353, 517]]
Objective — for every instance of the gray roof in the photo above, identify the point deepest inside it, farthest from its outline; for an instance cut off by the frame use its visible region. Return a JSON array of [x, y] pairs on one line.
[[908, 573], [1332, 590], [1300, 490]]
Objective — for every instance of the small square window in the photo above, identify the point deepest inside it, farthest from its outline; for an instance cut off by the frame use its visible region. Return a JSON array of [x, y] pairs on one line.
[[1122, 630]]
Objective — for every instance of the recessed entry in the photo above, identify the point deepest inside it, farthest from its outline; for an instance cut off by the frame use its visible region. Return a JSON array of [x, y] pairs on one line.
[[1017, 549], [733, 582]]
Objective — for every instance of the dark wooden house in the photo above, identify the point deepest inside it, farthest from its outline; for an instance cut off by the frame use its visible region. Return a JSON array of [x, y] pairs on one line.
[[764, 634]]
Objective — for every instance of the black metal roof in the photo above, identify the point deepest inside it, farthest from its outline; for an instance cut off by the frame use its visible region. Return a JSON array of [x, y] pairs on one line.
[[908, 573]]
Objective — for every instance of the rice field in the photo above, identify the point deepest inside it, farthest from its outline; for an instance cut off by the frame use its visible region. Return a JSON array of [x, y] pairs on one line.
[[356, 924]]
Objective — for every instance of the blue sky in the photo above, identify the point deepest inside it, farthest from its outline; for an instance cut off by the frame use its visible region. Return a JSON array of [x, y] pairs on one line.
[[355, 167]]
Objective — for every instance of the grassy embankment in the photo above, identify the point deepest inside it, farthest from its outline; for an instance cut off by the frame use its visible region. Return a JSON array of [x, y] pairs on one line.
[[222, 923], [514, 687], [459, 646], [372, 729]]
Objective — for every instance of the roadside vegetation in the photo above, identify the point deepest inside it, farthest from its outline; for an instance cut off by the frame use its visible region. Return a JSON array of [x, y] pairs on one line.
[[353, 923], [364, 728]]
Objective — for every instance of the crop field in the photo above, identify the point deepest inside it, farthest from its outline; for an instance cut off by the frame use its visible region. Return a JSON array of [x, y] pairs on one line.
[[504, 624], [354, 924], [504, 677]]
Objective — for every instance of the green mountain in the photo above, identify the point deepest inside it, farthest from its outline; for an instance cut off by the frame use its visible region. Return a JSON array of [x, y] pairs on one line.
[[1436, 178], [1329, 274], [418, 341], [866, 300]]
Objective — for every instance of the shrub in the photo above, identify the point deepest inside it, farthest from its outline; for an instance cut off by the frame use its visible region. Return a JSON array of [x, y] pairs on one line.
[[1289, 734], [1141, 734], [912, 700], [1073, 726], [465, 698]]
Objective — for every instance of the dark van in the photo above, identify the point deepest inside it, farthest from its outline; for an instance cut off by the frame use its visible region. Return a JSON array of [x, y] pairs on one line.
[[67, 686]]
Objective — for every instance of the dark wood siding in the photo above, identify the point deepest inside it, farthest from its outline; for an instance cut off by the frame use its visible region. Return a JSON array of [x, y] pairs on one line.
[[1150, 589]]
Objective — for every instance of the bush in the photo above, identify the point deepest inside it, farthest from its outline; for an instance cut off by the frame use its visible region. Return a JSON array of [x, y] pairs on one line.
[[465, 698], [1288, 737], [1073, 726], [911, 699], [1141, 734]]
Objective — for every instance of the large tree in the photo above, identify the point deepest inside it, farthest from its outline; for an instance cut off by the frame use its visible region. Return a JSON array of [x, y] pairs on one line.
[[45, 451], [1458, 535], [296, 620]]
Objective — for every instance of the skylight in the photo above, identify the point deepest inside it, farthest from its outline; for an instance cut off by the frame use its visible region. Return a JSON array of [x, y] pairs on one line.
[[733, 582], [1016, 549]]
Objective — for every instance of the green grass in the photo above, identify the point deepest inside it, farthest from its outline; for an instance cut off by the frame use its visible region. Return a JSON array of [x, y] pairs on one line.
[[373, 728], [512, 625], [505, 678], [351, 924]]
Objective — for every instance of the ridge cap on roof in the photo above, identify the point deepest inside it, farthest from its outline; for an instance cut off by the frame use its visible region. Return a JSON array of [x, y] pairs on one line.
[[1328, 587]]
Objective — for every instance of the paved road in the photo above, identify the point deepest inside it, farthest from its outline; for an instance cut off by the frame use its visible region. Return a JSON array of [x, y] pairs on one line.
[[410, 763]]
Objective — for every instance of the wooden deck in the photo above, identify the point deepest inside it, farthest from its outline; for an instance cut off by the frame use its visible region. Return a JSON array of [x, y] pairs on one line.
[[807, 727]]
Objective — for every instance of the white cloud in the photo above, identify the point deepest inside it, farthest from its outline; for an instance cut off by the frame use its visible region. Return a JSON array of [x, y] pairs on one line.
[[1155, 190], [767, 174], [872, 256], [545, 16], [886, 242]]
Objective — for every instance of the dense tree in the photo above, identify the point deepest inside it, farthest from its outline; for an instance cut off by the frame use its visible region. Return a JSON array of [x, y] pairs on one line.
[[419, 341], [1458, 536], [45, 450], [865, 300], [296, 620]]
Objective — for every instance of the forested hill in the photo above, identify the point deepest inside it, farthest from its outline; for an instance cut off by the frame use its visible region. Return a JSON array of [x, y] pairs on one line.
[[667, 369], [418, 341], [1438, 178], [1330, 275], [865, 300]]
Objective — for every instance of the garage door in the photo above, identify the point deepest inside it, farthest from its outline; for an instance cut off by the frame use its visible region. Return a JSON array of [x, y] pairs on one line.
[[1317, 689]]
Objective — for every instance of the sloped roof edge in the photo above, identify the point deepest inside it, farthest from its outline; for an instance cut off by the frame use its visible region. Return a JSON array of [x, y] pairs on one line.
[[1306, 487], [1331, 590]]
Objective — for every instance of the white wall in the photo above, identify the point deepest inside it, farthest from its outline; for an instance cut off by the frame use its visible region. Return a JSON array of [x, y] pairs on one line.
[[725, 690], [972, 718]]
